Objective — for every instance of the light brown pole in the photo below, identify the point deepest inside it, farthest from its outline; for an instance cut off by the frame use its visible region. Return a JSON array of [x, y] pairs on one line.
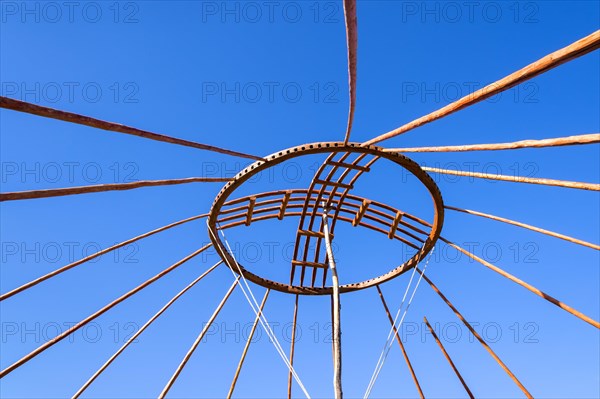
[[190, 352], [408, 363], [574, 50], [555, 142], [59, 192], [248, 342], [22, 106], [522, 283], [352, 44], [517, 179], [93, 256], [292, 345], [525, 226], [476, 335], [142, 329], [447, 356], [97, 314], [335, 313]]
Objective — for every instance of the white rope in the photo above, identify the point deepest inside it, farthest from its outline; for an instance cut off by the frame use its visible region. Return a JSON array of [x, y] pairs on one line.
[[261, 316], [389, 341]]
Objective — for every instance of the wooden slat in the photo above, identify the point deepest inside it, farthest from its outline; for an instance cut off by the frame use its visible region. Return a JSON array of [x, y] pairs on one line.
[[402, 348], [568, 53], [308, 263], [250, 210], [555, 142], [141, 330], [46, 112], [350, 166], [247, 346], [476, 335], [192, 349], [317, 234], [522, 283], [361, 211], [284, 203], [97, 314], [59, 192], [334, 184], [93, 256], [292, 346], [526, 226], [447, 356], [394, 225], [352, 45], [517, 179]]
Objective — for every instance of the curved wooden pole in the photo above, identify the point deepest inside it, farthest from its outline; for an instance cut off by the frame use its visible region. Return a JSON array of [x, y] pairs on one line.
[[352, 44], [59, 192], [481, 340], [517, 179], [555, 142], [408, 363], [335, 310], [98, 313], [93, 256], [447, 356], [292, 344], [247, 346], [568, 53], [525, 226], [141, 330], [46, 112], [190, 352], [531, 288]]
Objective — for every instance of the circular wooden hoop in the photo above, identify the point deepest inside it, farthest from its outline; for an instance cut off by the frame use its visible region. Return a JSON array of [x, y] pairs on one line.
[[319, 148]]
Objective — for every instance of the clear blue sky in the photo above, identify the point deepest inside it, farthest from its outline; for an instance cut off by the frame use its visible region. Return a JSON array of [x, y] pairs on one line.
[[258, 77]]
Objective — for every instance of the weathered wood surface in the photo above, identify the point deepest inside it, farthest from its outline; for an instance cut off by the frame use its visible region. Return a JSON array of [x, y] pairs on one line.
[[399, 340], [476, 335], [59, 192], [568, 53], [447, 356], [522, 283], [518, 179], [95, 255], [352, 44], [22, 106], [247, 346], [554, 142], [525, 226], [142, 329], [97, 314]]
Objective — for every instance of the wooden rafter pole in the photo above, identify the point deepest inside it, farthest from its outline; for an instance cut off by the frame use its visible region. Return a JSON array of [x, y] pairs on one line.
[[22, 106], [190, 352], [335, 310], [447, 356], [481, 340], [399, 340], [525, 226], [93, 256], [517, 179], [98, 313], [247, 346], [352, 44], [141, 330], [522, 283], [59, 192], [568, 53], [554, 142], [292, 346]]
